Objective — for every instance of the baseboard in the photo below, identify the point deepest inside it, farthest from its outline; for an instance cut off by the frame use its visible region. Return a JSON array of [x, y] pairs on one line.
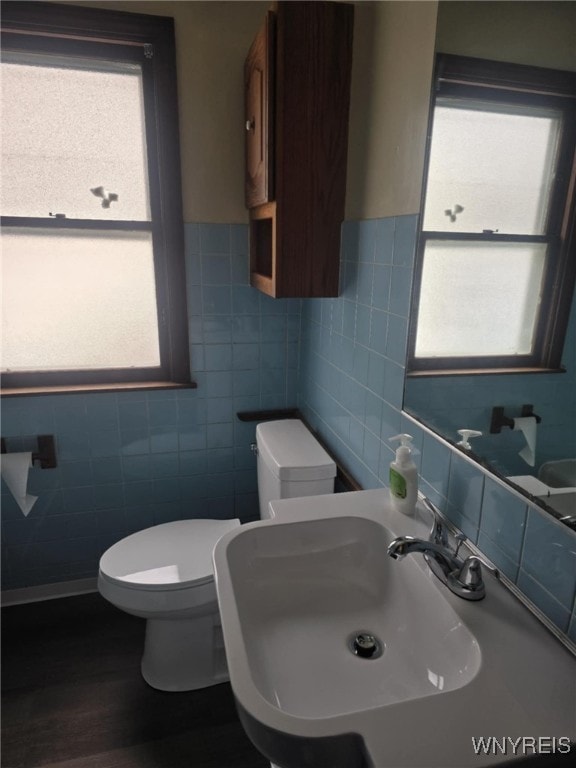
[[48, 591]]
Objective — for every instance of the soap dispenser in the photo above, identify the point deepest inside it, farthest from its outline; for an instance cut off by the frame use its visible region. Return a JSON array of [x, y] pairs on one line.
[[403, 477], [465, 435]]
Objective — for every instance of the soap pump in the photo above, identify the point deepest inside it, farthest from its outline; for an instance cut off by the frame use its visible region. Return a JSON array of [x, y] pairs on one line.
[[403, 477], [466, 434]]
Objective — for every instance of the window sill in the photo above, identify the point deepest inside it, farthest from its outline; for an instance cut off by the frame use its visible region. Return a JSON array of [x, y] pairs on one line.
[[94, 388], [479, 371]]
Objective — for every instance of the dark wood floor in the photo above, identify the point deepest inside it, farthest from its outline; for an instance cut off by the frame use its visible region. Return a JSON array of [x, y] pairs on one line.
[[73, 697]]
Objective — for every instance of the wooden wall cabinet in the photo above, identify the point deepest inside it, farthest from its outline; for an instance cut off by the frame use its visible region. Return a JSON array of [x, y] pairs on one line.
[[297, 96]]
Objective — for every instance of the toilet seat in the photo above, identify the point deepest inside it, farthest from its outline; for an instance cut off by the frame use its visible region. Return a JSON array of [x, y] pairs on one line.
[[165, 557]]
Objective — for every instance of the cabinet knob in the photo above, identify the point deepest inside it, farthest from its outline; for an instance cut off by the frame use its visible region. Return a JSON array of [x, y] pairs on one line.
[[250, 124]]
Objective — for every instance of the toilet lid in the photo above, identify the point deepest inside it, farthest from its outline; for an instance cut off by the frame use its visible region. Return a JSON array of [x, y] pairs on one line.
[[167, 556]]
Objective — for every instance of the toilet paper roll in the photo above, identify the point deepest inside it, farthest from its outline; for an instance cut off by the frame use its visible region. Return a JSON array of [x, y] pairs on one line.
[[15, 467], [527, 425]]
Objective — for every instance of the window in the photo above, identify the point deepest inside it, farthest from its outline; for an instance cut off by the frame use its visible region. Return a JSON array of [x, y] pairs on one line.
[[92, 234], [495, 268]]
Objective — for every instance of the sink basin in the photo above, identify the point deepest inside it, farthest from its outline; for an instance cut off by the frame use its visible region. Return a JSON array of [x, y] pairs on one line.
[[303, 590]]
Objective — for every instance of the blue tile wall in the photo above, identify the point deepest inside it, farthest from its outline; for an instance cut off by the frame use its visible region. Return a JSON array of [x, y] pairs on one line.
[[353, 347], [351, 379], [134, 459], [451, 403]]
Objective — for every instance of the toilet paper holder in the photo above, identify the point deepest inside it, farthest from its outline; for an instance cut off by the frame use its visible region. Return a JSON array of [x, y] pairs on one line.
[[45, 454], [499, 420]]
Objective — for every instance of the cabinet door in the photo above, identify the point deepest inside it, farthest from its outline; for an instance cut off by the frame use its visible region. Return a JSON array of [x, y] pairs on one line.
[[258, 87]]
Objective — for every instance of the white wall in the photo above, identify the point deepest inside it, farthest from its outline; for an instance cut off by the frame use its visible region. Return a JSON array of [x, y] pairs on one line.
[[391, 81], [542, 34]]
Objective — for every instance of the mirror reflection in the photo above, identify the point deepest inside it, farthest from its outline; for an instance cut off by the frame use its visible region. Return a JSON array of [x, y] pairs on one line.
[[531, 437]]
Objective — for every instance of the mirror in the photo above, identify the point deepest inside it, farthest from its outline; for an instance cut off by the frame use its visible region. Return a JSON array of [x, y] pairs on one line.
[[539, 34]]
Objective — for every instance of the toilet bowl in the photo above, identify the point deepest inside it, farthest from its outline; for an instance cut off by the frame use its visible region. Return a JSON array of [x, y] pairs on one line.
[[165, 575]]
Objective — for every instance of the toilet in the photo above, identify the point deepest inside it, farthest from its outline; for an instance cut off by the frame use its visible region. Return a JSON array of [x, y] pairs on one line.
[[165, 575]]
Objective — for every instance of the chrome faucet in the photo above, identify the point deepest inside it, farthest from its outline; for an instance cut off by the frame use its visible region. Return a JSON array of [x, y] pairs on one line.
[[462, 577], [407, 545]]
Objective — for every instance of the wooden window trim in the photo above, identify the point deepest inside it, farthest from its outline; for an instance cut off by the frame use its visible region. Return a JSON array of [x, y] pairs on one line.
[[91, 33], [482, 79]]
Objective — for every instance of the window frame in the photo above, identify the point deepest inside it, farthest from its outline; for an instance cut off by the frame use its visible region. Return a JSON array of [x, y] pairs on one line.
[[470, 79], [96, 34]]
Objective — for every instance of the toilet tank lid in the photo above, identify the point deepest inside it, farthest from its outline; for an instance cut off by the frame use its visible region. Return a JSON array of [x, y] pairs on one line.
[[167, 556], [291, 451]]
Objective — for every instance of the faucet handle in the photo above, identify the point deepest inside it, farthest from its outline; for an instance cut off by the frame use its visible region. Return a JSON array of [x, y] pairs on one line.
[[467, 581], [487, 565], [470, 575]]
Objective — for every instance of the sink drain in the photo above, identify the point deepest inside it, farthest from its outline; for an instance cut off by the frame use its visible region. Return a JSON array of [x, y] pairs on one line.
[[365, 644]]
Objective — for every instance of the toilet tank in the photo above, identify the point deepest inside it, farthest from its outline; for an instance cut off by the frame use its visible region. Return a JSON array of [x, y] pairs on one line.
[[291, 463]]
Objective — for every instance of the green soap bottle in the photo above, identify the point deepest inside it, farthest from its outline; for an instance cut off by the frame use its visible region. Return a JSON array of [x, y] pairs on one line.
[[403, 477]]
